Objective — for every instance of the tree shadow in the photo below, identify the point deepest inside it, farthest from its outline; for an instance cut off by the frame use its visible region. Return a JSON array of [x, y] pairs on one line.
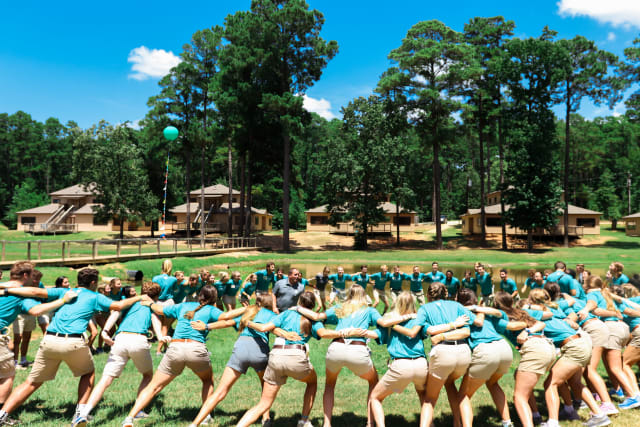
[[616, 244]]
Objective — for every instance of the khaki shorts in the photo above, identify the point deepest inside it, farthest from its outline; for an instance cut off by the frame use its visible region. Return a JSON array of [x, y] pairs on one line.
[[24, 323], [403, 372], [537, 355], [631, 354], [7, 365], [635, 338], [380, 295], [129, 346], [447, 361], [180, 354], [418, 296], [618, 335], [284, 363], [356, 358], [598, 332], [53, 350], [395, 294], [230, 300], [489, 359], [577, 351]]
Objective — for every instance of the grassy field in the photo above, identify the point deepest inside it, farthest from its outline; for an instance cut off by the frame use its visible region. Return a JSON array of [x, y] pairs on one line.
[[53, 404]]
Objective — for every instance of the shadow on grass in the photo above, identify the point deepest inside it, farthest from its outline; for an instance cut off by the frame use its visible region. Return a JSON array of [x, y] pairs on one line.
[[616, 244]]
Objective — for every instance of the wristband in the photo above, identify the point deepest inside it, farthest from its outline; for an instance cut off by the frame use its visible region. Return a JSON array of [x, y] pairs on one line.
[[528, 331]]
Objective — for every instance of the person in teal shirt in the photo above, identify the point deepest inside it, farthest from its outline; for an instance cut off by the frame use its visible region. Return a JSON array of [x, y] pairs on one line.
[[166, 281], [469, 282], [338, 285], [231, 290], [562, 278], [452, 284], [435, 275], [130, 343], [415, 284], [395, 282], [221, 286], [362, 278], [531, 280], [507, 284], [615, 275], [483, 279], [289, 357], [64, 342], [266, 278], [248, 288], [187, 348], [380, 280]]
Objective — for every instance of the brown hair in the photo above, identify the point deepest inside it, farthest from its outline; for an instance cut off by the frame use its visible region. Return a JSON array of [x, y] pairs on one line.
[[559, 265], [618, 267], [437, 291], [151, 289], [86, 276], [307, 300], [617, 289], [553, 289], [36, 276], [19, 269], [504, 301], [630, 291], [207, 296], [466, 297]]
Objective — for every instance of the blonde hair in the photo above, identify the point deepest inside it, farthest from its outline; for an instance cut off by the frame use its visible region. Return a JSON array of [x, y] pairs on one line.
[[224, 276], [404, 304], [595, 282], [167, 266], [541, 297], [356, 300], [630, 291]]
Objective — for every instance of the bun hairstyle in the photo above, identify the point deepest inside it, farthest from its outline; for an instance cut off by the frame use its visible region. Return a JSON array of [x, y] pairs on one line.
[[307, 300], [504, 301], [207, 296], [437, 291], [466, 297]]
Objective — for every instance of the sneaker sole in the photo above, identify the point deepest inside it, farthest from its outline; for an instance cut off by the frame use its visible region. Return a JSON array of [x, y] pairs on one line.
[[80, 424]]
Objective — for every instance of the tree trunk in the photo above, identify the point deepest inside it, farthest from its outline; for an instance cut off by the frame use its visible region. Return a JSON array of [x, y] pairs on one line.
[[614, 224], [481, 170], [121, 228], [229, 214], [529, 240], [397, 223], [243, 170], [501, 154], [285, 192], [248, 220], [188, 184], [488, 147], [202, 197], [565, 186], [436, 183]]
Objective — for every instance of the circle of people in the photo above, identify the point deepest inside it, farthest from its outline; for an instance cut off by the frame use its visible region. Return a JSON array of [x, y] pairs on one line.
[[568, 322]]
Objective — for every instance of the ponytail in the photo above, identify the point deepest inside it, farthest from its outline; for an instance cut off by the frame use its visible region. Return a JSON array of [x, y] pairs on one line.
[[207, 296], [307, 300]]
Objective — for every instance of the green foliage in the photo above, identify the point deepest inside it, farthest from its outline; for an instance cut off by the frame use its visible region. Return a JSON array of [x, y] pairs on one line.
[[25, 196]]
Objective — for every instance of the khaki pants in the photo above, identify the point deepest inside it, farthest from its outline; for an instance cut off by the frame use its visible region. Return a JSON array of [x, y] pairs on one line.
[[53, 350], [7, 366]]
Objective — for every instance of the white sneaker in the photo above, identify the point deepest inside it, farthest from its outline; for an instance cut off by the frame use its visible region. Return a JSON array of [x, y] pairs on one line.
[[304, 423], [128, 422], [207, 421]]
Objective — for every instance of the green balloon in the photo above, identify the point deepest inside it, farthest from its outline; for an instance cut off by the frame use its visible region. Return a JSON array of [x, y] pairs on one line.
[[170, 132]]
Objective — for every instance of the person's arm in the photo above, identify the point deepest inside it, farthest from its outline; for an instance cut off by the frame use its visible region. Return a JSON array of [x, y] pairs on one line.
[[454, 335], [409, 332], [53, 305], [489, 311], [446, 327], [517, 325], [536, 328], [232, 314], [569, 299], [392, 319], [261, 327], [156, 324], [93, 333], [602, 312], [111, 320], [287, 335], [154, 306], [479, 320], [10, 284], [630, 303], [514, 294], [25, 292], [631, 312], [546, 314], [275, 302], [126, 303], [312, 315], [571, 323]]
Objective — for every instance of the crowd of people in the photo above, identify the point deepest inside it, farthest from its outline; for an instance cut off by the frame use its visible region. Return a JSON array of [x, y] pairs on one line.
[[562, 322]]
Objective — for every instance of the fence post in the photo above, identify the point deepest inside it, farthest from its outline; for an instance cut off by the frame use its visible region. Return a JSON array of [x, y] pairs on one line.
[[158, 243], [94, 249], [118, 243], [139, 247], [189, 243], [29, 251], [63, 249], [39, 249], [175, 246], [4, 244]]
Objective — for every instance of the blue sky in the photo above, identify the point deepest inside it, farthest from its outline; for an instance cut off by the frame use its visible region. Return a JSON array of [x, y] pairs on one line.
[[71, 60]]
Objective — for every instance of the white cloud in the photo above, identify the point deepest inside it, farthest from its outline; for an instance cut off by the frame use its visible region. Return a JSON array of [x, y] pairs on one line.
[[322, 107], [149, 63], [617, 12], [611, 37]]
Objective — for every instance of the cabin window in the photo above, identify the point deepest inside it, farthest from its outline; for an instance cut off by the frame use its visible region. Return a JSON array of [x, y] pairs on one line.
[[631, 225], [493, 222], [28, 220], [402, 220], [257, 221], [586, 222], [269, 222], [100, 221], [319, 220]]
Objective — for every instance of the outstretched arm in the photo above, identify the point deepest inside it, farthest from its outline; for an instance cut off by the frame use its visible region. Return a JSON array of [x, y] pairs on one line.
[[126, 303], [393, 319], [456, 334], [439, 329], [25, 292], [312, 315], [485, 310], [156, 324], [111, 320], [410, 332], [232, 314], [262, 327], [43, 308]]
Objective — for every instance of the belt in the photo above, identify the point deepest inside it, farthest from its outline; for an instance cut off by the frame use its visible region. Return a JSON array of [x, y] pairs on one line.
[[290, 347], [408, 358], [456, 342], [185, 340], [132, 333], [585, 323], [56, 334], [636, 327], [571, 338], [341, 340]]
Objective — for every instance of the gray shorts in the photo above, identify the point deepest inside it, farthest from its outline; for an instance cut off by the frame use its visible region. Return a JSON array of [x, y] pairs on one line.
[[248, 353]]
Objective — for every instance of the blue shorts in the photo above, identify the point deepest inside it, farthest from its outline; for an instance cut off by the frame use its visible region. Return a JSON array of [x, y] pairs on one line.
[[248, 353]]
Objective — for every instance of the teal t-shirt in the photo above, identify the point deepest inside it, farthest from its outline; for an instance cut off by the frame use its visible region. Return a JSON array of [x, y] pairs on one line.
[[137, 319], [11, 306], [249, 288], [597, 297], [263, 316], [529, 282], [431, 277], [577, 306], [482, 334], [577, 286], [401, 346], [339, 282], [289, 320], [562, 279], [181, 291], [486, 285], [415, 281], [264, 280], [620, 280], [116, 297], [380, 280], [361, 280], [508, 285], [364, 318], [555, 329], [470, 283], [440, 312], [452, 286], [73, 317], [395, 281], [220, 287], [206, 314], [232, 288], [167, 285]]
